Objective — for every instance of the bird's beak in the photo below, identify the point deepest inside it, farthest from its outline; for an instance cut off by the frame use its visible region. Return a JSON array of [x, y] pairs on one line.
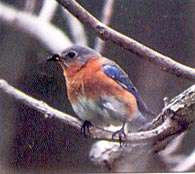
[[57, 58], [54, 57]]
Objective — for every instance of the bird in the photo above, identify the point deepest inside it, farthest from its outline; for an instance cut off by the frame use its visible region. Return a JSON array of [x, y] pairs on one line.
[[99, 90]]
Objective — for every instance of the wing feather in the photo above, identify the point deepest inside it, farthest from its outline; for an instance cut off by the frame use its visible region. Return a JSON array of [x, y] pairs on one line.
[[116, 73]]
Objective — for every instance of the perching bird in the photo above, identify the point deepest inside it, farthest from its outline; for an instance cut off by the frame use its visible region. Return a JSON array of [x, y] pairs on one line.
[[99, 91]]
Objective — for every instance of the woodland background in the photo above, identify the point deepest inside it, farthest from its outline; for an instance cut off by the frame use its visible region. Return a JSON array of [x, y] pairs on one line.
[[30, 143]]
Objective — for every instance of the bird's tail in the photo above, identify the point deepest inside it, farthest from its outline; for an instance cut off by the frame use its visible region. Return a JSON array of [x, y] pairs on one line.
[[137, 123]]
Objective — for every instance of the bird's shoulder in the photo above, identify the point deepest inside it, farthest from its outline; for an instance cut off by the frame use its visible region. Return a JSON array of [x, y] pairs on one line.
[[115, 72]]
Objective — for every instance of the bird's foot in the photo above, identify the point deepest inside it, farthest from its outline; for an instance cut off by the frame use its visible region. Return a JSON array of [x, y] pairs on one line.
[[121, 134], [85, 128]]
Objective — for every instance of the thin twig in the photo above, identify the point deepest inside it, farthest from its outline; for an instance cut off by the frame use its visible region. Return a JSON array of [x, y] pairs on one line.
[[106, 17], [165, 63], [30, 5], [76, 29], [48, 10], [49, 35]]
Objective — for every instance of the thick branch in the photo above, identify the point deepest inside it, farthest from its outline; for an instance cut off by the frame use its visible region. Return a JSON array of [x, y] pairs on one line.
[[176, 113], [106, 33], [38, 105], [36, 27]]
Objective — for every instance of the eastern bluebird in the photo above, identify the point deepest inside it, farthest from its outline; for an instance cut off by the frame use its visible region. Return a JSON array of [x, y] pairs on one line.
[[99, 91]]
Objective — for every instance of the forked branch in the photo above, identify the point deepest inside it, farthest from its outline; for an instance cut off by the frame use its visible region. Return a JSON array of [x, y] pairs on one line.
[[106, 33]]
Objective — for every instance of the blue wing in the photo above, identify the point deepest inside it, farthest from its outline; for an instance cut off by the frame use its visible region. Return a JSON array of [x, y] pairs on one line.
[[116, 73]]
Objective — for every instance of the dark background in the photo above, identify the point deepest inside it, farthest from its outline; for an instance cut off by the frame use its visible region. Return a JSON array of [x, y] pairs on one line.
[[31, 143]]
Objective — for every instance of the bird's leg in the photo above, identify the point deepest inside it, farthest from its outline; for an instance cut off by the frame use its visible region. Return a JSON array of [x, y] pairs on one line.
[[85, 128], [121, 134]]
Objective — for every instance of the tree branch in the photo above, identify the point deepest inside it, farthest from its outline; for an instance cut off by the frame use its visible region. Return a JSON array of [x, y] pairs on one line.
[[48, 10], [173, 146], [186, 164], [38, 105], [106, 17], [36, 27], [78, 33], [165, 63], [173, 120], [29, 5]]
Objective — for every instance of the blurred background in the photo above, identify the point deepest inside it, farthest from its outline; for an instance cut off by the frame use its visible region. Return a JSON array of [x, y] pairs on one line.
[[31, 143]]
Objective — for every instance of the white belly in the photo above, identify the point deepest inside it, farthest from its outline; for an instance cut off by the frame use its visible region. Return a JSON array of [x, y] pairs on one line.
[[107, 111]]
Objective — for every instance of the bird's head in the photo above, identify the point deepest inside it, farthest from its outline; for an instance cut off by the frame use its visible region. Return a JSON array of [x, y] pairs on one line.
[[74, 57]]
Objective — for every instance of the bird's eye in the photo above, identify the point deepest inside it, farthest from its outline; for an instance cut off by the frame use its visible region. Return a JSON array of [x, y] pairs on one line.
[[71, 54]]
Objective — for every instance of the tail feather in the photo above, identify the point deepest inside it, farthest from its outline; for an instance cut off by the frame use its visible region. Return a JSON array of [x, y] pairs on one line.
[[137, 123]]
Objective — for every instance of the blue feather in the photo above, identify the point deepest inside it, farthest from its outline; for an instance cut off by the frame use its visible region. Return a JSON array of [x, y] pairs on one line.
[[116, 73]]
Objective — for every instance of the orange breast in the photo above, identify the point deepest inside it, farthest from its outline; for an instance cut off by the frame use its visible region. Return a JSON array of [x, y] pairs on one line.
[[91, 82]]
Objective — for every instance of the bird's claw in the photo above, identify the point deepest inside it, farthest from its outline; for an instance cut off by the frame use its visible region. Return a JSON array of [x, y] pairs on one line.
[[121, 134], [85, 128]]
